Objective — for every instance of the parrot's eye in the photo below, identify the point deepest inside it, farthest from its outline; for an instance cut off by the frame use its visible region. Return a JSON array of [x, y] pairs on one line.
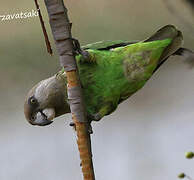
[[33, 118], [32, 101]]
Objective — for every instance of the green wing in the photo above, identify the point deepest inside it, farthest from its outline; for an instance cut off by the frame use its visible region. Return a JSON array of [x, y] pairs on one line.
[[119, 73], [107, 45]]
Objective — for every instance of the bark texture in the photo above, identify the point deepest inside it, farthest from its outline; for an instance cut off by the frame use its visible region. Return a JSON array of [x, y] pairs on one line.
[[61, 29]]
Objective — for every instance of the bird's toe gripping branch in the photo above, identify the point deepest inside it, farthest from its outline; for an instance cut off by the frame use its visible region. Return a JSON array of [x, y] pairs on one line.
[[94, 117], [78, 49], [90, 130]]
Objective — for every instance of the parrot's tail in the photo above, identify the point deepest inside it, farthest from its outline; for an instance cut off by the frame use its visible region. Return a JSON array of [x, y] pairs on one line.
[[174, 48], [168, 32]]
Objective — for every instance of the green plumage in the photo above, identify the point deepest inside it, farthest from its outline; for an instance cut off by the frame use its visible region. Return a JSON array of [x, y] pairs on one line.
[[115, 70], [109, 77], [110, 73]]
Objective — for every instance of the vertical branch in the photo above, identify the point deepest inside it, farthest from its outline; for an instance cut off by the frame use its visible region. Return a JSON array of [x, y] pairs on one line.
[[48, 45], [61, 29]]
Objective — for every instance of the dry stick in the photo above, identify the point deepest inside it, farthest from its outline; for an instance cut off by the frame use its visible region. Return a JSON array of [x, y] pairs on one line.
[[48, 45], [61, 29]]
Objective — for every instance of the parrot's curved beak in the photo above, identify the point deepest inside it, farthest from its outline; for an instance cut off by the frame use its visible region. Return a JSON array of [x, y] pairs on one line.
[[43, 117], [46, 101]]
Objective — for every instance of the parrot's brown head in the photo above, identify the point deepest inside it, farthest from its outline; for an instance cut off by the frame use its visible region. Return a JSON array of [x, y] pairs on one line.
[[46, 100]]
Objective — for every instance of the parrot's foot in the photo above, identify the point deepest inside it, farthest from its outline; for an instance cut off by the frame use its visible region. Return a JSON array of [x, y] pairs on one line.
[[94, 117], [78, 50], [90, 129], [85, 54], [72, 124]]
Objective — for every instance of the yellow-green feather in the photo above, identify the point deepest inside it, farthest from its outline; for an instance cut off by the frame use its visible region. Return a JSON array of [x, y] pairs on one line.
[[109, 77]]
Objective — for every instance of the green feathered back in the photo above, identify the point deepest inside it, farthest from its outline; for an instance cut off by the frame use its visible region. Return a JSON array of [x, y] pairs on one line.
[[106, 45], [109, 77], [113, 71]]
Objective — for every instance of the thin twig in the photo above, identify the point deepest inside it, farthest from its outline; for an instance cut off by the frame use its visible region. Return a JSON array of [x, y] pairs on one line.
[[48, 45]]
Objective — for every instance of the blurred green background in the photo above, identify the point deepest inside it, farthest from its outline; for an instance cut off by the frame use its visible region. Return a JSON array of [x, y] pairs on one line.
[[144, 139]]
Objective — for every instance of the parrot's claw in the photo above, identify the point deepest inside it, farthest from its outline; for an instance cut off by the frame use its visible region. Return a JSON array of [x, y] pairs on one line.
[[90, 129], [72, 124], [85, 54], [79, 50], [94, 117]]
